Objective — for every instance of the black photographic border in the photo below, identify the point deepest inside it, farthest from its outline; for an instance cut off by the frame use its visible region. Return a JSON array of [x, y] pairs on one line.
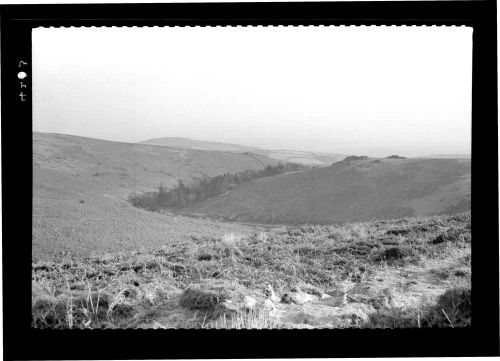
[[23, 342]]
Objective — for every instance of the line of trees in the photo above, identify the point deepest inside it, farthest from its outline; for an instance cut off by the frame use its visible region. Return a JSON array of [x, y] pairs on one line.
[[208, 187]]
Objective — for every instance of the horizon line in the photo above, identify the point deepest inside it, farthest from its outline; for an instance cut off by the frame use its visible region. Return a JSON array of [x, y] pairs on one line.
[[467, 154]]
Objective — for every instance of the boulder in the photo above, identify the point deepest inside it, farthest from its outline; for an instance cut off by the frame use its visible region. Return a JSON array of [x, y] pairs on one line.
[[312, 290], [303, 293], [268, 305], [372, 294], [270, 294], [249, 302], [339, 301], [320, 315], [298, 298]]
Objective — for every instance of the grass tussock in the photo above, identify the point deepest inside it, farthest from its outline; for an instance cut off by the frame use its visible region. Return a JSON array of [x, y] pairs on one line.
[[209, 294], [257, 319], [120, 290]]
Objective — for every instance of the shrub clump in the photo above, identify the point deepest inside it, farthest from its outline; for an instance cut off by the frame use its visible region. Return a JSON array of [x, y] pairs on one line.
[[398, 231], [453, 309], [209, 295], [393, 253], [454, 235], [353, 158], [65, 311], [391, 318]]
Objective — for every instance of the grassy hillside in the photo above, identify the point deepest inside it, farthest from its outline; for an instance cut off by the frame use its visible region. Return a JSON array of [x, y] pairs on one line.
[[413, 272], [133, 166], [81, 186], [349, 191]]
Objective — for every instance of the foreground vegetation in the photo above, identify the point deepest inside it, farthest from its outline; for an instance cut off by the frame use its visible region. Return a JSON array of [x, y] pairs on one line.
[[411, 272]]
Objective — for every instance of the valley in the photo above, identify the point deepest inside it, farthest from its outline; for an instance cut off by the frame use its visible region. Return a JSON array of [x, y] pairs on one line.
[[357, 243], [81, 188]]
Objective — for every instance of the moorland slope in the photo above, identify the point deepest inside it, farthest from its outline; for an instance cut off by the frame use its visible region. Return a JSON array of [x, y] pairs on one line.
[[81, 186], [350, 190]]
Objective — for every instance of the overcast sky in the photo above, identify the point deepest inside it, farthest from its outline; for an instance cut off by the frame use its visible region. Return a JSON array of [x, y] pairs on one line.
[[356, 90]]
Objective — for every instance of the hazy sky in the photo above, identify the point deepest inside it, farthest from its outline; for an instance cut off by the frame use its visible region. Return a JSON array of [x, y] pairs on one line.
[[356, 90]]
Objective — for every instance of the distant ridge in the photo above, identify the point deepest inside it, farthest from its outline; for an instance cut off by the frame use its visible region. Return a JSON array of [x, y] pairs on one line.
[[186, 143], [446, 156], [282, 155]]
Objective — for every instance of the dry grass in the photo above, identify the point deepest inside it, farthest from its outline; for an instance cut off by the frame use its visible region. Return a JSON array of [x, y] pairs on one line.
[[125, 289]]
